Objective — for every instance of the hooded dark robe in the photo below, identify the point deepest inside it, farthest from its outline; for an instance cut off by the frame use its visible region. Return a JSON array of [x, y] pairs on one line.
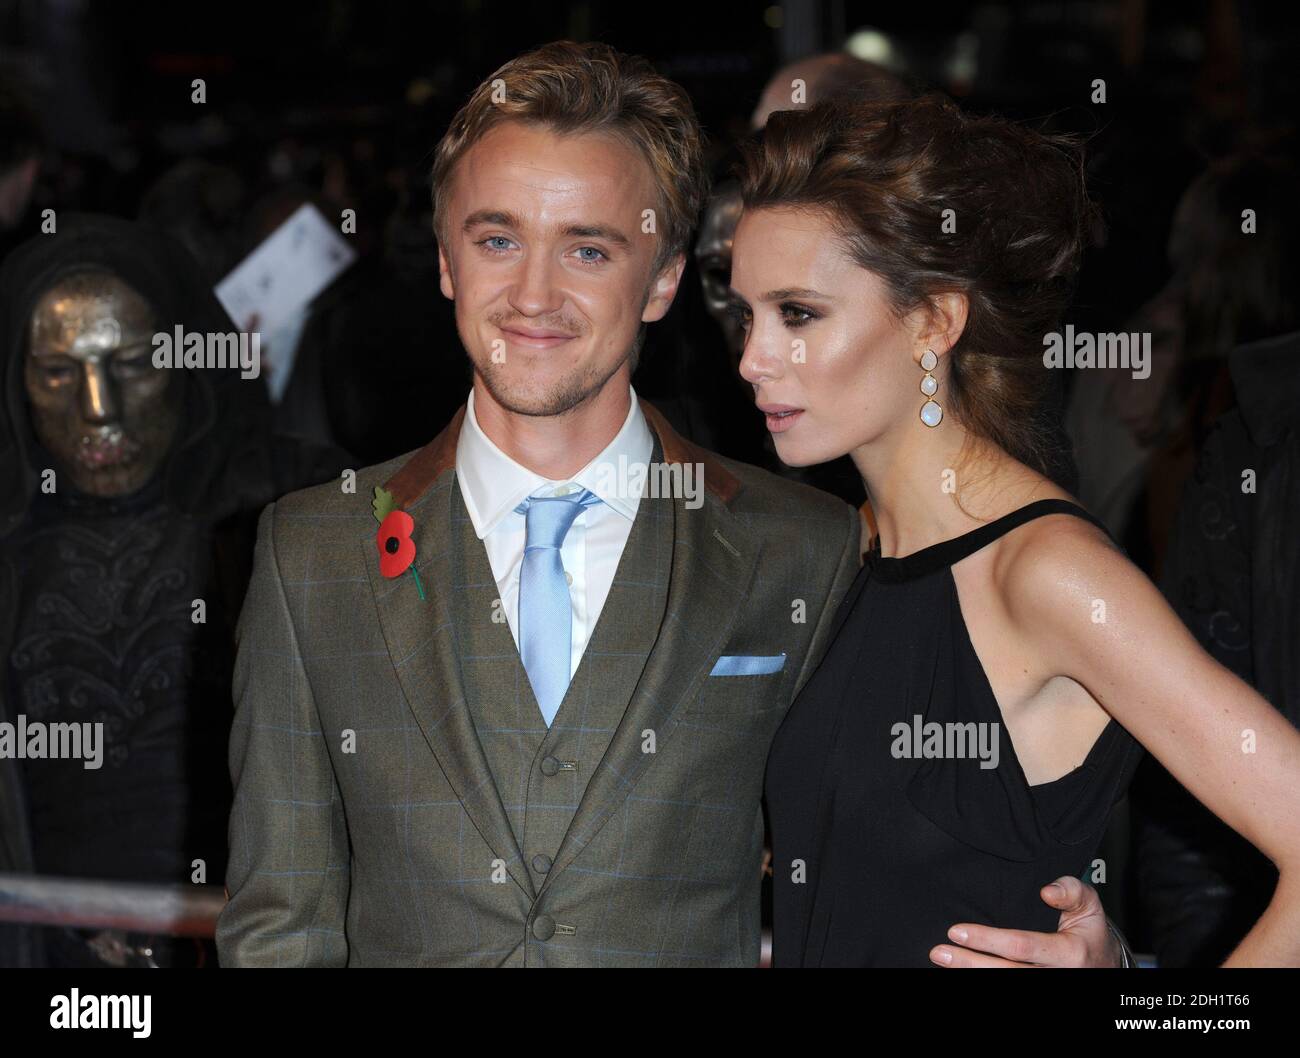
[[97, 601]]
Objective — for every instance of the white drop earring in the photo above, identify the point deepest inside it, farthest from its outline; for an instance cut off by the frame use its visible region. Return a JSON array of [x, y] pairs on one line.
[[931, 413]]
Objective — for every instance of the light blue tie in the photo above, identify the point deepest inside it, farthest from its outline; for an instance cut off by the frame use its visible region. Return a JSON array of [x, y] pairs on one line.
[[545, 609]]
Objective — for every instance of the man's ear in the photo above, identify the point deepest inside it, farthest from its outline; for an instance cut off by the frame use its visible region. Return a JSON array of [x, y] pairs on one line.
[[445, 283], [944, 322], [663, 289]]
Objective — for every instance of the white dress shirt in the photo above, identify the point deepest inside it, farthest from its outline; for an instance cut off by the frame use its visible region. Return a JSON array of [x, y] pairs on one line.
[[493, 485]]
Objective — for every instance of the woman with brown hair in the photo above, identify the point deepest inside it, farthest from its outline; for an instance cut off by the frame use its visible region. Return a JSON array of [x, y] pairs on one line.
[[998, 664]]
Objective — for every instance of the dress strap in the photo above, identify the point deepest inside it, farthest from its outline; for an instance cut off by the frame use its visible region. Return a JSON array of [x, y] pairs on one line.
[[949, 552]]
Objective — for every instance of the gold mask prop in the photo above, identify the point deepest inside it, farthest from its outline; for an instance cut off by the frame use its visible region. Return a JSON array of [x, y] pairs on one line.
[[99, 406]]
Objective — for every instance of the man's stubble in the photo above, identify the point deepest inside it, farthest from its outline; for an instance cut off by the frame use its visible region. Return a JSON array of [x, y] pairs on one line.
[[567, 394]]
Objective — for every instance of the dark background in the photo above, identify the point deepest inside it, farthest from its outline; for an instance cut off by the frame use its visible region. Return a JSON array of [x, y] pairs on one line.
[[345, 100]]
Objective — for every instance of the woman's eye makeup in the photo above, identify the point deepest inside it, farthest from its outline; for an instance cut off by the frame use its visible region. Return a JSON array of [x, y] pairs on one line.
[[796, 315], [792, 313], [739, 312]]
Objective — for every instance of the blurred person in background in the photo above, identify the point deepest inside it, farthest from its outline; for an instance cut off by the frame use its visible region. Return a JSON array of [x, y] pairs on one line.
[[370, 360], [202, 205], [1232, 572], [834, 75], [128, 499], [20, 164]]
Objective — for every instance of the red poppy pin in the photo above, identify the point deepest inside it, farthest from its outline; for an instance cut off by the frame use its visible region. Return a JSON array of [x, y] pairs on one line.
[[396, 548]]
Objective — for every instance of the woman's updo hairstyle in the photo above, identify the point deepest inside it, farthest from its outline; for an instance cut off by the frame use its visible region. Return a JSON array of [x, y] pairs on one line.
[[885, 174]]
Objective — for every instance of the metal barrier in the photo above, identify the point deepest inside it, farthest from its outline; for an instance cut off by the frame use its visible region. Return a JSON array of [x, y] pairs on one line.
[[179, 910]]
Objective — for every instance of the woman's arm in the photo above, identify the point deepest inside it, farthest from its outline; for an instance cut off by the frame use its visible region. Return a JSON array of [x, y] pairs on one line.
[[1203, 886], [1085, 612]]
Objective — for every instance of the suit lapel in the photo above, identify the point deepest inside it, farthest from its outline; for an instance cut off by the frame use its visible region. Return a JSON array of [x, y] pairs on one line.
[[499, 698], [620, 643], [713, 562], [421, 639]]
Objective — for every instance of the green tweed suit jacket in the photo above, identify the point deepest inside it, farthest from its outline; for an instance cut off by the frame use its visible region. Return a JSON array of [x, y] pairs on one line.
[[398, 798]]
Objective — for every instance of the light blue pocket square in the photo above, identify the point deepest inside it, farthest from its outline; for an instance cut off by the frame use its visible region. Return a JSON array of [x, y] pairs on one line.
[[748, 665]]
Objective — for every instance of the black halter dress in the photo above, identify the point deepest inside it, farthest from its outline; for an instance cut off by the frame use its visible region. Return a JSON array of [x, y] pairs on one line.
[[897, 803]]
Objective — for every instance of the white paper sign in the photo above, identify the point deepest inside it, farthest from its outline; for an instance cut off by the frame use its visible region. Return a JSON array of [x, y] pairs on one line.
[[277, 280]]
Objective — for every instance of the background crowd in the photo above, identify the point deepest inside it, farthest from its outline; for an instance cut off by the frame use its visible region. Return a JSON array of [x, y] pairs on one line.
[[1186, 111]]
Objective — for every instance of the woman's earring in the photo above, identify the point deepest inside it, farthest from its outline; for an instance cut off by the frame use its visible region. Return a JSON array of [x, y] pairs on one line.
[[931, 413]]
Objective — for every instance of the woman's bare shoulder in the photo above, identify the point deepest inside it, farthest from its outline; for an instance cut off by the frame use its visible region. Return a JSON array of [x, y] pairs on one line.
[[1062, 569]]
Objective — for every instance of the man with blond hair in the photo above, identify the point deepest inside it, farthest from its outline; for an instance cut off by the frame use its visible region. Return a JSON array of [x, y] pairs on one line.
[[525, 723]]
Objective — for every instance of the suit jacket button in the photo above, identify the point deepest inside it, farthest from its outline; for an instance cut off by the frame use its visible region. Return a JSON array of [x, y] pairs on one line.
[[541, 863], [550, 765], [543, 927]]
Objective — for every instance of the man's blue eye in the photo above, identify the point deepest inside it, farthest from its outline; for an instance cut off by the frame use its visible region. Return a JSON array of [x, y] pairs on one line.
[[499, 239], [592, 249]]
